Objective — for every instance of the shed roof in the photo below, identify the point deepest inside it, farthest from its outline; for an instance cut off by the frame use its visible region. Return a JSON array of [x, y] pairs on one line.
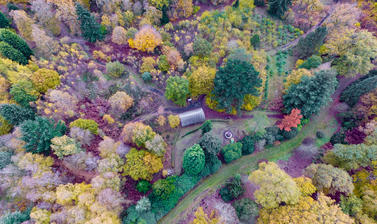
[[192, 117]]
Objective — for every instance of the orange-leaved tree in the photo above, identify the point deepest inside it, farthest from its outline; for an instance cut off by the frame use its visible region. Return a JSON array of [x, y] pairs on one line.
[[291, 120]]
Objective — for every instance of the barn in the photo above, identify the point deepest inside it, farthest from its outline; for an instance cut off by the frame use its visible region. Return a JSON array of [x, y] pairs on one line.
[[192, 117]]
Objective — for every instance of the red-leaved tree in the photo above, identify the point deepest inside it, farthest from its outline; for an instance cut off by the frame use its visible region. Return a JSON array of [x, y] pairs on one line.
[[291, 120]]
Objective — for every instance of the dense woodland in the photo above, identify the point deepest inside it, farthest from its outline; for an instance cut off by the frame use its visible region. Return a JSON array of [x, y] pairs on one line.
[[92, 94]]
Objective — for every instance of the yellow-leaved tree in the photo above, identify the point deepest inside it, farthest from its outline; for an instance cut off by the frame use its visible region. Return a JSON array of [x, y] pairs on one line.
[[295, 77], [201, 81], [202, 218], [146, 39]]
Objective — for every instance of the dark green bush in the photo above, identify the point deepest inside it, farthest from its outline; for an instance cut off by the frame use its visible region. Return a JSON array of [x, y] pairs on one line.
[[320, 134], [16, 42], [193, 160], [90, 28], [246, 209], [255, 41], [210, 144], [38, 134], [12, 6], [143, 186], [135, 217], [232, 189], [289, 134], [15, 114], [312, 62], [146, 76], [13, 54], [248, 145], [163, 188], [355, 90], [311, 43], [259, 3], [232, 151], [4, 22], [272, 134], [206, 126], [338, 138]]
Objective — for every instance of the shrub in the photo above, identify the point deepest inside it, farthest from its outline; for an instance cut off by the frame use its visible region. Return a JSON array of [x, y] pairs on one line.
[[163, 63], [38, 134], [143, 186], [4, 22], [85, 124], [119, 35], [248, 144], [13, 54], [115, 69], [91, 30], [355, 90], [246, 209], [121, 102], [210, 144], [143, 205], [177, 90], [338, 138], [312, 62], [174, 121], [16, 42], [255, 41], [320, 134], [44, 79], [351, 205], [16, 217], [232, 151], [202, 47], [233, 189], [206, 126], [259, 3], [20, 94], [5, 126], [146, 76], [5, 158], [64, 146], [193, 160], [15, 114], [163, 188]]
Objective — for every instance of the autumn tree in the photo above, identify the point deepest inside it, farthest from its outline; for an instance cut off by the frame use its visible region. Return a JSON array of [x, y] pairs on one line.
[[23, 23], [44, 79], [119, 35], [90, 28], [351, 157], [291, 120], [66, 13], [275, 186], [329, 179], [295, 77], [142, 164], [120, 102], [311, 93], [177, 89], [201, 81], [203, 218], [232, 82], [64, 146], [307, 210], [311, 43], [355, 53], [46, 45], [278, 7], [181, 9], [146, 39]]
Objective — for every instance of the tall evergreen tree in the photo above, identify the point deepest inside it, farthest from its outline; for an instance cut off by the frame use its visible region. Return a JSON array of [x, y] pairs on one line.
[[91, 30], [233, 81], [311, 43], [278, 7], [311, 93]]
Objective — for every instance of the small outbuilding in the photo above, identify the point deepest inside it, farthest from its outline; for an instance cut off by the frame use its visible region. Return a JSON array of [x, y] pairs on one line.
[[192, 117]]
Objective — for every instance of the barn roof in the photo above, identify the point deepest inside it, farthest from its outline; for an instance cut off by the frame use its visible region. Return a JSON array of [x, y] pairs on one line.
[[192, 117]]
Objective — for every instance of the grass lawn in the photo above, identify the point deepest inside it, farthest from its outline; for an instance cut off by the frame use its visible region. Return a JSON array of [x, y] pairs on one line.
[[247, 164]]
